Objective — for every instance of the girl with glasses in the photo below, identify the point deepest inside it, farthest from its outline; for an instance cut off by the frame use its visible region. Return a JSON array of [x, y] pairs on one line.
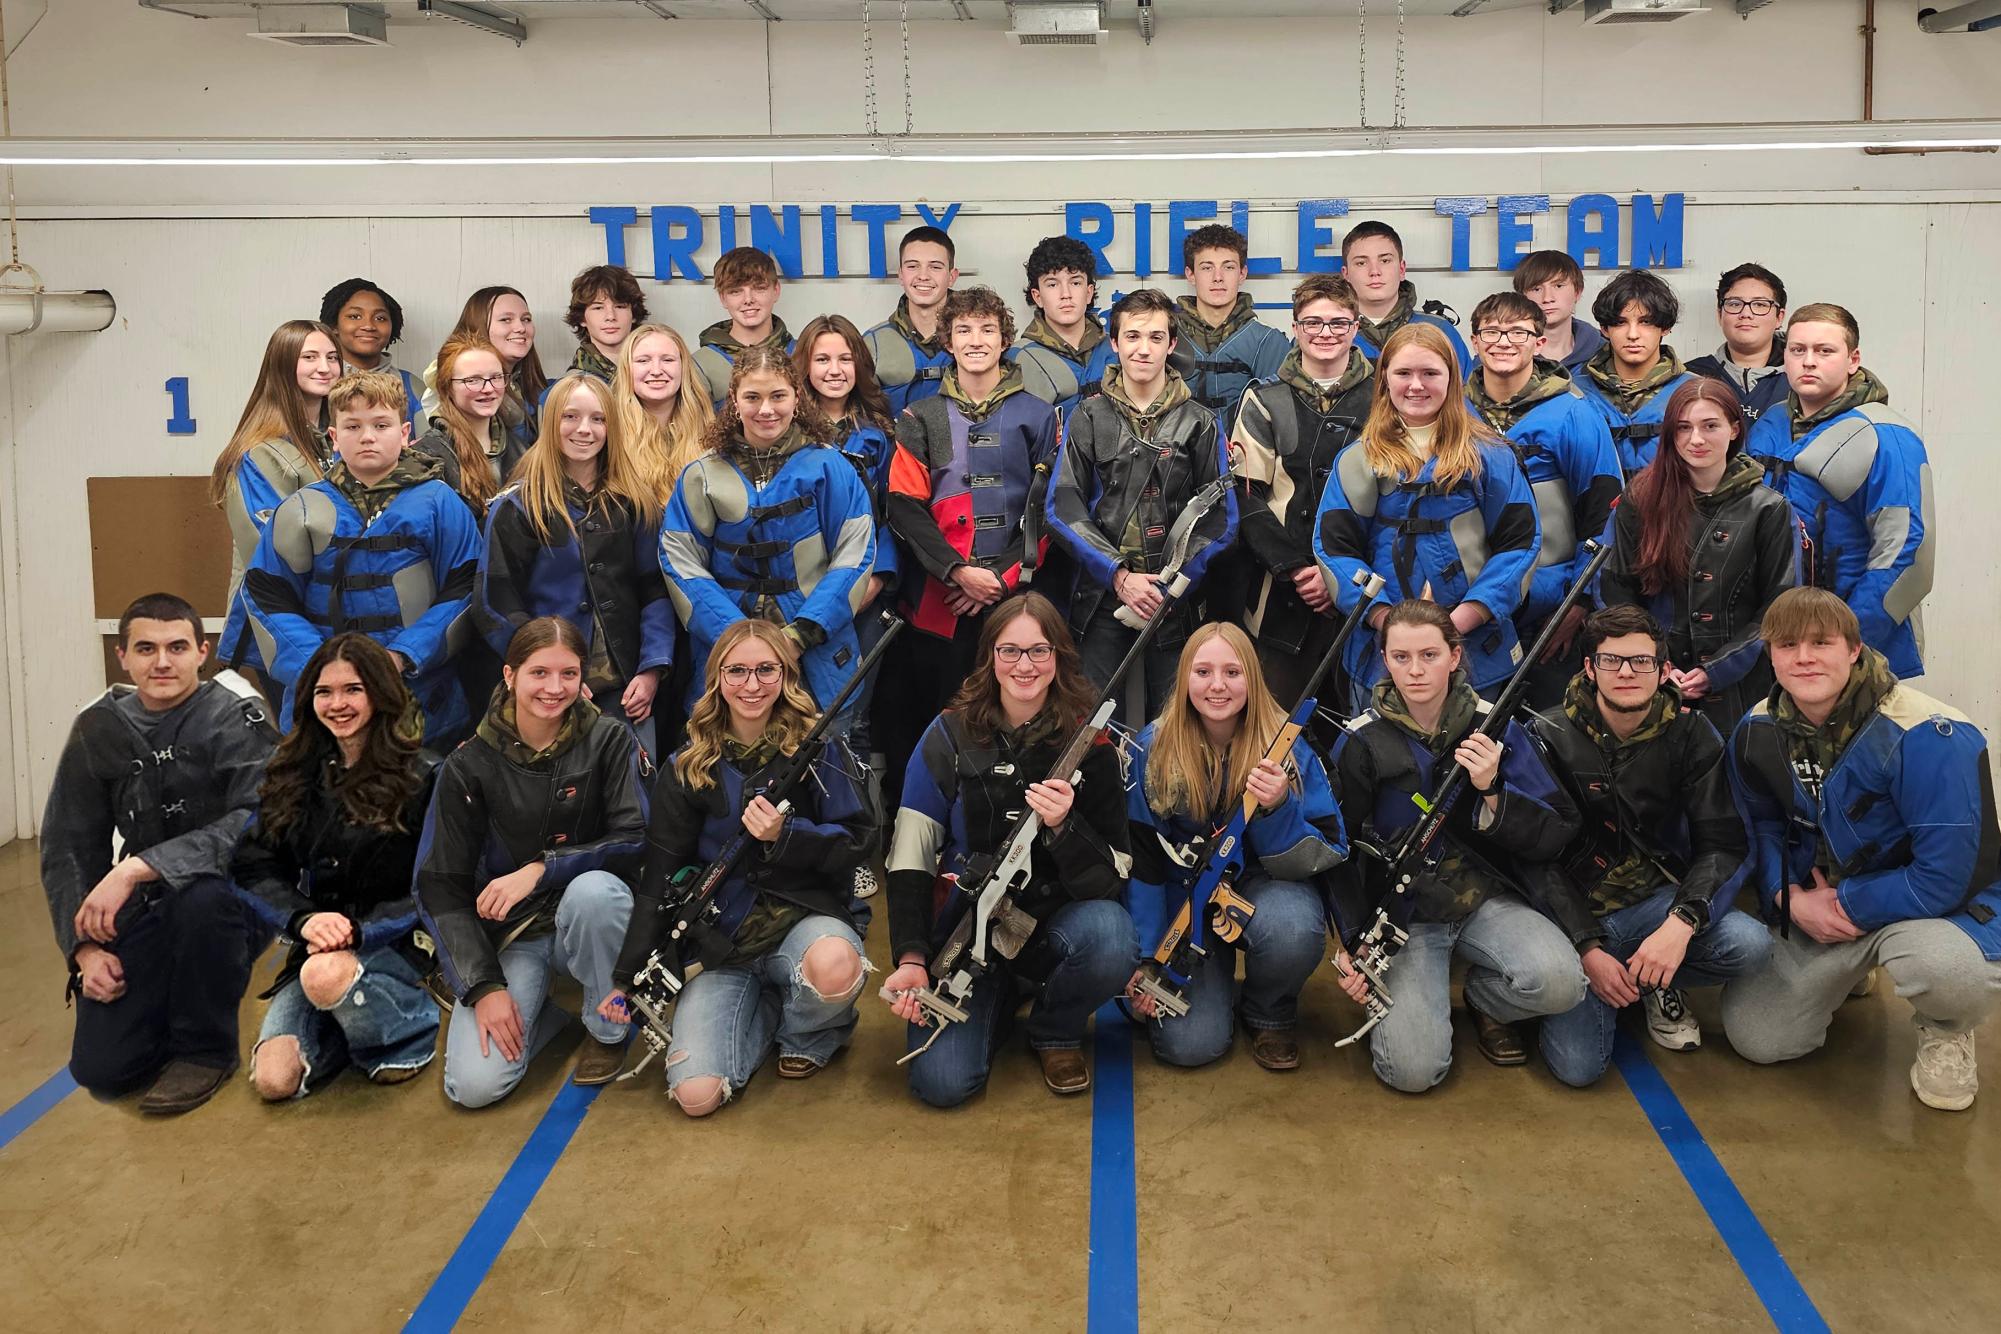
[[1705, 545], [980, 765], [1195, 763], [790, 960], [575, 537], [467, 436]]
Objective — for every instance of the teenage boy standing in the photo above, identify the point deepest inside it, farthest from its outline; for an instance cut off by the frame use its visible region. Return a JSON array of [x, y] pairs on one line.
[[1372, 261], [158, 945], [1566, 450], [1131, 460], [1858, 477], [380, 545], [1630, 379], [1063, 352], [1553, 280], [1751, 308], [1220, 344], [909, 347], [1873, 843], [1288, 434], [746, 282], [605, 304]]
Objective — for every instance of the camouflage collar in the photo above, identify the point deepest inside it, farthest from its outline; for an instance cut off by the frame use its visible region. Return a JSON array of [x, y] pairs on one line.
[[1629, 396], [1292, 372], [1862, 387], [1041, 333], [1009, 383], [1190, 326], [1547, 380], [1379, 331]]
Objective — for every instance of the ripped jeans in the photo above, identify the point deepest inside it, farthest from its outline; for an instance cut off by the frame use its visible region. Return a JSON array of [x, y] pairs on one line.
[[727, 1018], [385, 1020]]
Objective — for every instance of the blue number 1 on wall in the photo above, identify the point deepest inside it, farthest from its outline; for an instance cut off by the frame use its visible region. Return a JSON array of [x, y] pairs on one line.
[[180, 423]]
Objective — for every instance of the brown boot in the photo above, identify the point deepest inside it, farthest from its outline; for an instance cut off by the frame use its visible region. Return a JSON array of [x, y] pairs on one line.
[[1499, 1042], [598, 1062], [797, 1067], [182, 1087], [1275, 1048], [1064, 1070]]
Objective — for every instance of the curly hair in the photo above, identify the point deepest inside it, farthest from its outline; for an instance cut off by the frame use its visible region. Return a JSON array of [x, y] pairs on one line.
[[372, 790], [967, 302], [793, 713], [610, 282], [727, 430]]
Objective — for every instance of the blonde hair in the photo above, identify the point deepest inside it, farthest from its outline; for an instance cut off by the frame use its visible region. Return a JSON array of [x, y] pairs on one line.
[[368, 389], [467, 437], [540, 476], [1455, 446], [662, 454], [793, 713], [1798, 614], [277, 409], [1182, 773]]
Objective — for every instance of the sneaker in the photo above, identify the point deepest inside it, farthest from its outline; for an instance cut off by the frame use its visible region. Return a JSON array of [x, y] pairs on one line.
[[1864, 987], [1668, 1021], [184, 1086], [865, 884], [797, 1067], [1944, 1075]]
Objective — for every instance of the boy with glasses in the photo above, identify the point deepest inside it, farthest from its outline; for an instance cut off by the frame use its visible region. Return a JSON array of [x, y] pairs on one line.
[[1220, 345], [1552, 280], [1630, 379], [1566, 450], [910, 346], [1859, 479], [1873, 843], [1645, 889], [1751, 308], [1372, 262], [1288, 434]]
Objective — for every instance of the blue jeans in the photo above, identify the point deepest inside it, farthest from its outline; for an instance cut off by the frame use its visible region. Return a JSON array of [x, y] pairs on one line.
[[1103, 645], [728, 1018], [385, 1021], [1578, 1043], [868, 632], [1282, 944], [1522, 967], [1081, 956], [590, 928]]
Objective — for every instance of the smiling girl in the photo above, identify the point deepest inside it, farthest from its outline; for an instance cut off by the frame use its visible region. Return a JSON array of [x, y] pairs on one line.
[[663, 408], [1435, 502]]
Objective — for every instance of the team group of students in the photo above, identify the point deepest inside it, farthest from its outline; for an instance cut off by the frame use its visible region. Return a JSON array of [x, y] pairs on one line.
[[531, 651]]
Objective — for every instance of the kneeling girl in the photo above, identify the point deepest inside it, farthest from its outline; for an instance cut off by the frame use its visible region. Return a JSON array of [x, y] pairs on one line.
[[791, 960], [1195, 763]]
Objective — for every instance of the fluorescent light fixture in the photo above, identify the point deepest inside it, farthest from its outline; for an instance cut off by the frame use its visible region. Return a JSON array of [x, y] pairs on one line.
[[1285, 145]]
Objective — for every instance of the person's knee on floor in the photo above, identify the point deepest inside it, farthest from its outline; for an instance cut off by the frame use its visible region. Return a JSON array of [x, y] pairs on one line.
[[277, 1069], [326, 978], [700, 1095], [832, 968]]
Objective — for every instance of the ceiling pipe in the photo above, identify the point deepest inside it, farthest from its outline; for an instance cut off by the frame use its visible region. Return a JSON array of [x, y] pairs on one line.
[[1869, 90], [1967, 18], [26, 310]]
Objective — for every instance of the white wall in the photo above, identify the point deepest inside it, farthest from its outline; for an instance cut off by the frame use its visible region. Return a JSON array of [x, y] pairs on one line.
[[205, 262]]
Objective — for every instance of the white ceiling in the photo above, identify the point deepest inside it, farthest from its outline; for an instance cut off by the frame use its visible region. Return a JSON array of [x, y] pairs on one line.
[[1118, 13]]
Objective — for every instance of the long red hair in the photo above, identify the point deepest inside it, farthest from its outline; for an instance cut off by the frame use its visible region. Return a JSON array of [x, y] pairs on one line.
[[1664, 493]]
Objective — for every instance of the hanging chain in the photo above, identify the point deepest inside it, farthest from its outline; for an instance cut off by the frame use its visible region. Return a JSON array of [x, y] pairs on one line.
[[1362, 77], [7, 131], [1398, 106], [903, 19], [870, 124]]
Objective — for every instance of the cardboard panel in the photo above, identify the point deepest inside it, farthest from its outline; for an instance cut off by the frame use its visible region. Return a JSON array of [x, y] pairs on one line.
[[153, 535]]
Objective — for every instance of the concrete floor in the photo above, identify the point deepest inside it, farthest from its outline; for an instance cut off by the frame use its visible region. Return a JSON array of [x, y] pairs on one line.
[[1316, 1200]]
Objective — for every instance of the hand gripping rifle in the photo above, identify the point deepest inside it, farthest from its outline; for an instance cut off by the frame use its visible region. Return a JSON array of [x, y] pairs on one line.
[[1423, 846], [1213, 898], [692, 901], [995, 923]]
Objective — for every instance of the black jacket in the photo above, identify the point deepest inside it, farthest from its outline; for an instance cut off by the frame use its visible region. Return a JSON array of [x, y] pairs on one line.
[[828, 831], [1286, 440], [175, 787], [1744, 547], [1667, 798], [961, 796], [327, 863], [580, 807]]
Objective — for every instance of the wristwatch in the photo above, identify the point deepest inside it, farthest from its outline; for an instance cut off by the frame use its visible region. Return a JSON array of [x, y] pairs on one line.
[[1694, 912]]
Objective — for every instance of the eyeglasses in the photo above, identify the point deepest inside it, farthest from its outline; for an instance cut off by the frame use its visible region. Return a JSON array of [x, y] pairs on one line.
[[1519, 337], [1313, 327], [1757, 305], [767, 673], [1643, 664], [1013, 653], [480, 381]]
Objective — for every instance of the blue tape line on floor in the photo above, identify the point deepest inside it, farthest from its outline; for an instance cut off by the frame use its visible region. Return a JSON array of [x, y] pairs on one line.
[[31, 1108], [454, 1286], [1750, 1245], [1113, 1302]]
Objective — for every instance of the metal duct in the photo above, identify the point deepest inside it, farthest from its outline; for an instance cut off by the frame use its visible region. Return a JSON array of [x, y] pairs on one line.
[[26, 310]]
